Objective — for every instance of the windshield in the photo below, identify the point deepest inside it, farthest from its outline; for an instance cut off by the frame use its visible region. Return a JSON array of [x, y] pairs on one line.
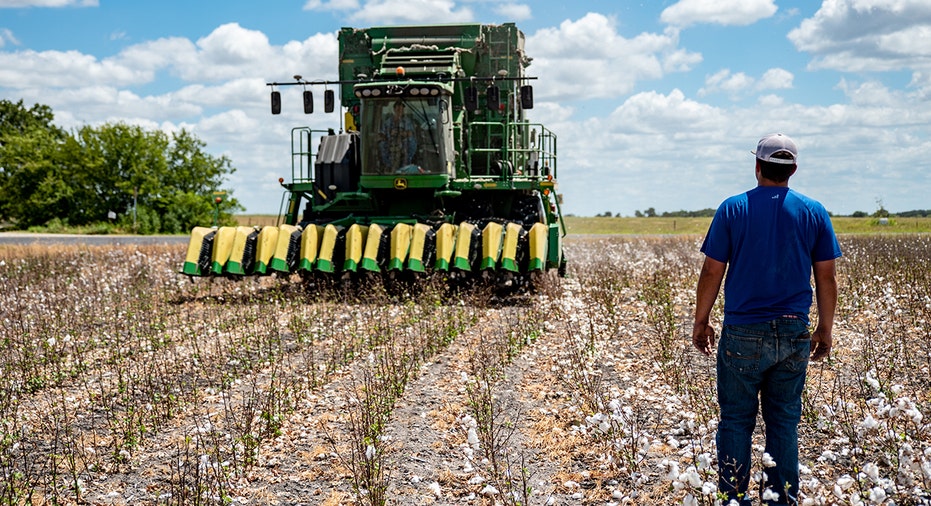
[[404, 136]]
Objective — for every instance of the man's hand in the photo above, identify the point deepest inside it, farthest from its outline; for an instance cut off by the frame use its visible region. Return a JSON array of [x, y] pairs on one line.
[[826, 297], [821, 343], [703, 337], [709, 282]]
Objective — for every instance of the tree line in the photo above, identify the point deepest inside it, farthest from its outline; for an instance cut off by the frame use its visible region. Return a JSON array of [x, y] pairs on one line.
[[650, 212], [115, 175]]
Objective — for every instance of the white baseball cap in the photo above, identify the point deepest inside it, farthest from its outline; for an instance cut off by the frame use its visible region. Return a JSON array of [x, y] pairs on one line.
[[777, 148]]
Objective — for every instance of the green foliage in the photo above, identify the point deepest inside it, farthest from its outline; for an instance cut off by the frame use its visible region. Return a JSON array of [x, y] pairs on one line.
[[154, 181]]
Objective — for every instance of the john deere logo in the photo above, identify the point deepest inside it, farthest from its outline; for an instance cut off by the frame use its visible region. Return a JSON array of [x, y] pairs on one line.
[[400, 183]]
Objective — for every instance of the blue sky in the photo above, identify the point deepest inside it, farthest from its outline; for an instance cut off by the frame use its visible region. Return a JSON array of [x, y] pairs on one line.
[[655, 103]]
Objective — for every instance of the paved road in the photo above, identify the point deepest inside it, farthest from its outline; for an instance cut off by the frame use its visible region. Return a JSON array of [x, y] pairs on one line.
[[23, 238]]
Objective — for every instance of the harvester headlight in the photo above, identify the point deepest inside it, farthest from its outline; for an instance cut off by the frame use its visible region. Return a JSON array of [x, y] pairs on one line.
[[358, 94], [415, 91], [376, 92], [424, 91], [332, 187], [366, 92], [434, 92]]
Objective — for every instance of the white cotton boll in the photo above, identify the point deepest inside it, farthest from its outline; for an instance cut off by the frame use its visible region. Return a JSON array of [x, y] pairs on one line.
[[689, 500], [617, 494], [872, 381], [769, 495], [434, 488], [708, 488], [692, 477], [369, 452], [845, 482], [914, 415], [869, 423], [475, 480], [768, 460], [416, 479], [838, 492], [672, 469], [827, 455], [897, 389], [877, 495], [489, 490], [570, 484], [577, 495], [472, 437], [704, 461], [872, 470]]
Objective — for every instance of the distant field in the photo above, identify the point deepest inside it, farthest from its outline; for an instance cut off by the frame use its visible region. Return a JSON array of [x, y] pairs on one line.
[[588, 225]]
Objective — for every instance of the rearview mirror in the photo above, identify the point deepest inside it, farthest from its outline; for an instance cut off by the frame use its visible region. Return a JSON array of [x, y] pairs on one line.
[[308, 102], [276, 102], [471, 98], [329, 101], [526, 97], [493, 98]]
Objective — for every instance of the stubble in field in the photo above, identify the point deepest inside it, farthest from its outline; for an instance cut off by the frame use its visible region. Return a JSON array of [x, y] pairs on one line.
[[125, 383]]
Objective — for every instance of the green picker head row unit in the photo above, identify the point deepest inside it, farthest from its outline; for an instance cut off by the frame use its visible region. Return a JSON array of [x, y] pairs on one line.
[[436, 168]]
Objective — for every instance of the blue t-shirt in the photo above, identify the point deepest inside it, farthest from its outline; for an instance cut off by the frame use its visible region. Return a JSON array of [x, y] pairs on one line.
[[769, 236]]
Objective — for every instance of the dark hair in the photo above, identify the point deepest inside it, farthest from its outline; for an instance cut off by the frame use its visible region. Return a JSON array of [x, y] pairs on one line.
[[776, 172]]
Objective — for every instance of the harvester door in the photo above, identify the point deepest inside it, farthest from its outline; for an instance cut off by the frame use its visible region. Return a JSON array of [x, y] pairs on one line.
[[336, 168]]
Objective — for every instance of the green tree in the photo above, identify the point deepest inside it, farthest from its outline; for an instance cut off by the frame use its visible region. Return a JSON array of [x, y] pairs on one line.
[[27, 145], [155, 181], [32, 189]]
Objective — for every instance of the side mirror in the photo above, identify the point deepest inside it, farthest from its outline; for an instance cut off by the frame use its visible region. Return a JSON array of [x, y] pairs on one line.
[[276, 102], [471, 98], [308, 102], [493, 98], [526, 97], [329, 101]]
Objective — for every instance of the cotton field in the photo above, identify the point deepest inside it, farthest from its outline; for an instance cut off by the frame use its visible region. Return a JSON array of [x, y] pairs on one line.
[[127, 383]]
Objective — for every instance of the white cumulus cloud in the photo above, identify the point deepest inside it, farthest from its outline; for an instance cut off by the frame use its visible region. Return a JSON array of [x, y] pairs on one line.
[[610, 63], [720, 12], [388, 12], [48, 3], [867, 35], [513, 12]]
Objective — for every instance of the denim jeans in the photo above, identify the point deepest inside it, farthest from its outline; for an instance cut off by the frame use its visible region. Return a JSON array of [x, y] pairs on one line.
[[761, 365]]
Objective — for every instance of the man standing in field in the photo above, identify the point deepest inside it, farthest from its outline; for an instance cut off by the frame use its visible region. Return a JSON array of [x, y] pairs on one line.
[[769, 239]]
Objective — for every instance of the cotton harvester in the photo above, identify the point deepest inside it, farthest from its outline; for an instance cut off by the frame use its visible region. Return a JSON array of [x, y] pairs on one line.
[[436, 169]]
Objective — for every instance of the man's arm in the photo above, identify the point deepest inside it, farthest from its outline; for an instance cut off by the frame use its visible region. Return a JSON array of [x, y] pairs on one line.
[[709, 282], [826, 298]]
